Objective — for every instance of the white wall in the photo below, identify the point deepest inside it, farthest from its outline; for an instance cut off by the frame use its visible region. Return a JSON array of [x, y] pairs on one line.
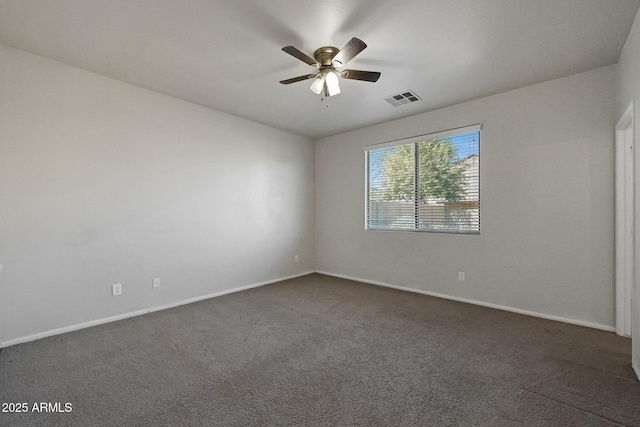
[[629, 91], [102, 182], [547, 219], [629, 69]]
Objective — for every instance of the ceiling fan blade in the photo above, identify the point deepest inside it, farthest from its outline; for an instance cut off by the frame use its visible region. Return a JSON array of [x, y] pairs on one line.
[[297, 79], [349, 51], [300, 55], [368, 76]]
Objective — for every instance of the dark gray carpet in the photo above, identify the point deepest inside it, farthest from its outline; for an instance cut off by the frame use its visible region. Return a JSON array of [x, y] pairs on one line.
[[329, 352]]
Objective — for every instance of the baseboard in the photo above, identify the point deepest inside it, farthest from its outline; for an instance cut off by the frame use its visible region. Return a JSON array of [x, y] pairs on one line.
[[97, 322], [475, 302], [636, 370]]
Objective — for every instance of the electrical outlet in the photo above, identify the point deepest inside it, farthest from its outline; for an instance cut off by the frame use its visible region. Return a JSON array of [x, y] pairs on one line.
[[296, 258], [116, 289], [461, 276], [156, 282]]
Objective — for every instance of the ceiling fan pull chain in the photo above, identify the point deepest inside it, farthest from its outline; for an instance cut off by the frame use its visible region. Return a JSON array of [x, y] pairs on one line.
[[326, 94]]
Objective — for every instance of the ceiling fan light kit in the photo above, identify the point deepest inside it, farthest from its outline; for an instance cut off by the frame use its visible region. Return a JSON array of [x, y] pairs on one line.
[[326, 79], [327, 59]]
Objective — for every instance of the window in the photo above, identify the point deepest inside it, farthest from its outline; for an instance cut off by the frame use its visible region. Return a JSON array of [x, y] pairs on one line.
[[426, 183]]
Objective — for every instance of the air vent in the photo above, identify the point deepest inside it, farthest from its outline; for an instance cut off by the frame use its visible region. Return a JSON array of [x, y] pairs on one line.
[[406, 97]]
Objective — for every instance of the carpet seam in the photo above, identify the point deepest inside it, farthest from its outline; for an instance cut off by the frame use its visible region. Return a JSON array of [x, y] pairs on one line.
[[571, 406], [632, 380]]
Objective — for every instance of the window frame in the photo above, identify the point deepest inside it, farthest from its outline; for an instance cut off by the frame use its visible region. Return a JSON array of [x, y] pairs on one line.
[[416, 201]]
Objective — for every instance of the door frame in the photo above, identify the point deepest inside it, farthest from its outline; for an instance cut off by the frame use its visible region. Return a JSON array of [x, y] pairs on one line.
[[625, 221]]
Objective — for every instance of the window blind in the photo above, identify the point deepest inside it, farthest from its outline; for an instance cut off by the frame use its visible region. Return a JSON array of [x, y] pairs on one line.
[[425, 183]]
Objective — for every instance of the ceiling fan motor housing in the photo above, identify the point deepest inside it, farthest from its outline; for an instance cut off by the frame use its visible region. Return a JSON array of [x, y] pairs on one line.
[[324, 55]]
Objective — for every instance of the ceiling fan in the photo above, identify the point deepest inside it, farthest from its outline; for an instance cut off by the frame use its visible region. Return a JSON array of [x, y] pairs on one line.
[[327, 59]]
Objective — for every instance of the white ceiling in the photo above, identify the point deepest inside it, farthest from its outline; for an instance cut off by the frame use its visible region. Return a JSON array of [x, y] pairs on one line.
[[225, 54]]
